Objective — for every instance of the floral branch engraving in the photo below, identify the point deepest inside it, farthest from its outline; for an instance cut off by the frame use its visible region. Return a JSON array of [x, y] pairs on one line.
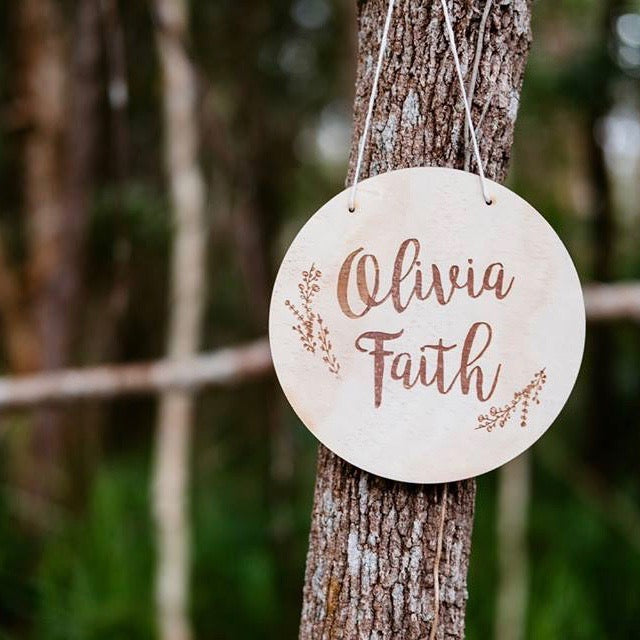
[[498, 416], [326, 347], [307, 319]]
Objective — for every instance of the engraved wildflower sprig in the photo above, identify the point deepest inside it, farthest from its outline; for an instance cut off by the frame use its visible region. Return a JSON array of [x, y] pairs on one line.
[[530, 395], [308, 319], [326, 347]]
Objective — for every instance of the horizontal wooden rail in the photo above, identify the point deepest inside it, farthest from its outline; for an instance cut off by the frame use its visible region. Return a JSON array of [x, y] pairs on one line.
[[220, 368], [603, 302], [619, 301]]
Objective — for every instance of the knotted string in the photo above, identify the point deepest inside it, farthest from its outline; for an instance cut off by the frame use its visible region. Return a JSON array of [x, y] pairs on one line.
[[374, 92]]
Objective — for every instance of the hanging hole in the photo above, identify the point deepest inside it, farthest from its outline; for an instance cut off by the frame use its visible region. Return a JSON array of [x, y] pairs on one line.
[[490, 201], [352, 208]]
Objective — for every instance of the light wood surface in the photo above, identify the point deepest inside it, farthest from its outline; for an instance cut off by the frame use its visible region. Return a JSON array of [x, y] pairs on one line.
[[427, 337]]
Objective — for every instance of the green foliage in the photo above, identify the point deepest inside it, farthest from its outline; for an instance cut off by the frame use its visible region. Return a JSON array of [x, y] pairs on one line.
[[482, 567], [17, 591], [133, 212], [94, 580], [234, 569], [582, 582]]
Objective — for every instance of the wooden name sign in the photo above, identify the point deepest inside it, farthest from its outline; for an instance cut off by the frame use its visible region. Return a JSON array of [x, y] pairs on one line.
[[427, 337]]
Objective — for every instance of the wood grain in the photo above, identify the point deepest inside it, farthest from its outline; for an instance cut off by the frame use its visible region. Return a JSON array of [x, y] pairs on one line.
[[427, 337]]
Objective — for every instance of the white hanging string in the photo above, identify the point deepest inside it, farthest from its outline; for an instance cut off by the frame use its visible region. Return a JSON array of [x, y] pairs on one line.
[[374, 92], [472, 130], [372, 99]]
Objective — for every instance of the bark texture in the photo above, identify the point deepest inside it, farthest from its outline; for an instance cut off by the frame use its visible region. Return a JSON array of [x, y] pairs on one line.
[[373, 542]]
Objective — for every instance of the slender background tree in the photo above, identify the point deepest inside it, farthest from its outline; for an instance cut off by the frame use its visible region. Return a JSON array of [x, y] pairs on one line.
[[176, 411]]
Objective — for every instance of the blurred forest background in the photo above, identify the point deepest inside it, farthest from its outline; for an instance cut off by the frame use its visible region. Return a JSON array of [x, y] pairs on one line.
[[87, 226]]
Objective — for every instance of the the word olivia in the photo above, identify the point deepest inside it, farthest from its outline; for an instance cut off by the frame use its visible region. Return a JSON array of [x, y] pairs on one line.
[[411, 281]]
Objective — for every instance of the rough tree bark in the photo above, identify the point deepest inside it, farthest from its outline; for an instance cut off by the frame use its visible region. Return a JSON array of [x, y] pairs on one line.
[[373, 542], [175, 417]]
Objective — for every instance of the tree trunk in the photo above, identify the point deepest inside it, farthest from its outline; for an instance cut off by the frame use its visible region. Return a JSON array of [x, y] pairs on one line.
[[601, 453], [514, 482], [41, 94], [62, 250], [59, 144], [170, 482], [374, 543]]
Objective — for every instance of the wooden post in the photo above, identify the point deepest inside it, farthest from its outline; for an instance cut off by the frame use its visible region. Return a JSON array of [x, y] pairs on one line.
[[373, 547]]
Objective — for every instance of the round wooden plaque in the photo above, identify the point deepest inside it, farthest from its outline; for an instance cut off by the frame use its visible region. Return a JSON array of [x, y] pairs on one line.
[[428, 336]]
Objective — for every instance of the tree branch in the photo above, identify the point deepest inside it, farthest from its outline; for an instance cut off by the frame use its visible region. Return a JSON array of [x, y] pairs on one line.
[[233, 365], [608, 302], [219, 368]]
